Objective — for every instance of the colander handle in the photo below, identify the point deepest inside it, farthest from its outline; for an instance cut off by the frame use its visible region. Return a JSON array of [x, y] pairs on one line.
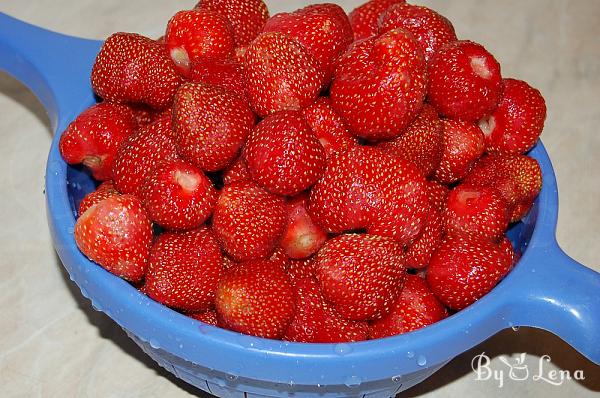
[[55, 67], [558, 294]]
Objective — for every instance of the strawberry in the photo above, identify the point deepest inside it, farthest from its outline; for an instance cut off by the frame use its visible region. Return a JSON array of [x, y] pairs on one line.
[[248, 221], [117, 234], [506, 246], [283, 155], [143, 115], [517, 177], [437, 194], [185, 268], [421, 143], [517, 123], [464, 81], [93, 138], [365, 18], [464, 270], [134, 68], [228, 262], [366, 188], [317, 322], [237, 171], [196, 34], [140, 153], [302, 237], [178, 196], [247, 17], [279, 258], [280, 74], [300, 269], [255, 298], [463, 145], [476, 212], [328, 127], [322, 29], [208, 317], [211, 125], [431, 29], [225, 73], [380, 84], [361, 275], [416, 308], [418, 254], [240, 53], [104, 191]]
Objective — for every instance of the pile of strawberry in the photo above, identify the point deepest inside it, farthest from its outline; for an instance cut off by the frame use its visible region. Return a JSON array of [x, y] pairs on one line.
[[311, 176]]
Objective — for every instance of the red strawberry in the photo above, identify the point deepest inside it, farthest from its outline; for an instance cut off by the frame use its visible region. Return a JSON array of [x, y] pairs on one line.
[[380, 84], [144, 115], [279, 258], [517, 177], [322, 29], [463, 145], [302, 237], [464, 81], [361, 275], [255, 298], [140, 153], [300, 269], [328, 127], [366, 188], [437, 194], [134, 68], [196, 34], [117, 234], [418, 254], [365, 19], [185, 268], [209, 317], [240, 54], [178, 196], [464, 270], [237, 171], [228, 262], [479, 212], [317, 322], [416, 308], [421, 143], [280, 74], [211, 125], [517, 123], [247, 17], [506, 246], [93, 138], [225, 73], [431, 29], [283, 155], [248, 221], [104, 191]]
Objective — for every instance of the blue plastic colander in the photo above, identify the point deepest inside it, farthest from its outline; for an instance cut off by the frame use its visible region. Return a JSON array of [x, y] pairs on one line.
[[547, 289]]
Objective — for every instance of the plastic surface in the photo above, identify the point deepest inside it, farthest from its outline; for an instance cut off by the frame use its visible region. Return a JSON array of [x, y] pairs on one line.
[[546, 289]]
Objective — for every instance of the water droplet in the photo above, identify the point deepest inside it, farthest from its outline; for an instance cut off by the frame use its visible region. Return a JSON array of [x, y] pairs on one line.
[[154, 344], [291, 383], [342, 349], [397, 379], [421, 360], [55, 167], [515, 328], [204, 329], [96, 307], [181, 346], [410, 354], [232, 377], [319, 385], [353, 381]]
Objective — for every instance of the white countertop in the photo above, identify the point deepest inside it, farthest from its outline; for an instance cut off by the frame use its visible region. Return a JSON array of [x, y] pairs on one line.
[[52, 344]]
